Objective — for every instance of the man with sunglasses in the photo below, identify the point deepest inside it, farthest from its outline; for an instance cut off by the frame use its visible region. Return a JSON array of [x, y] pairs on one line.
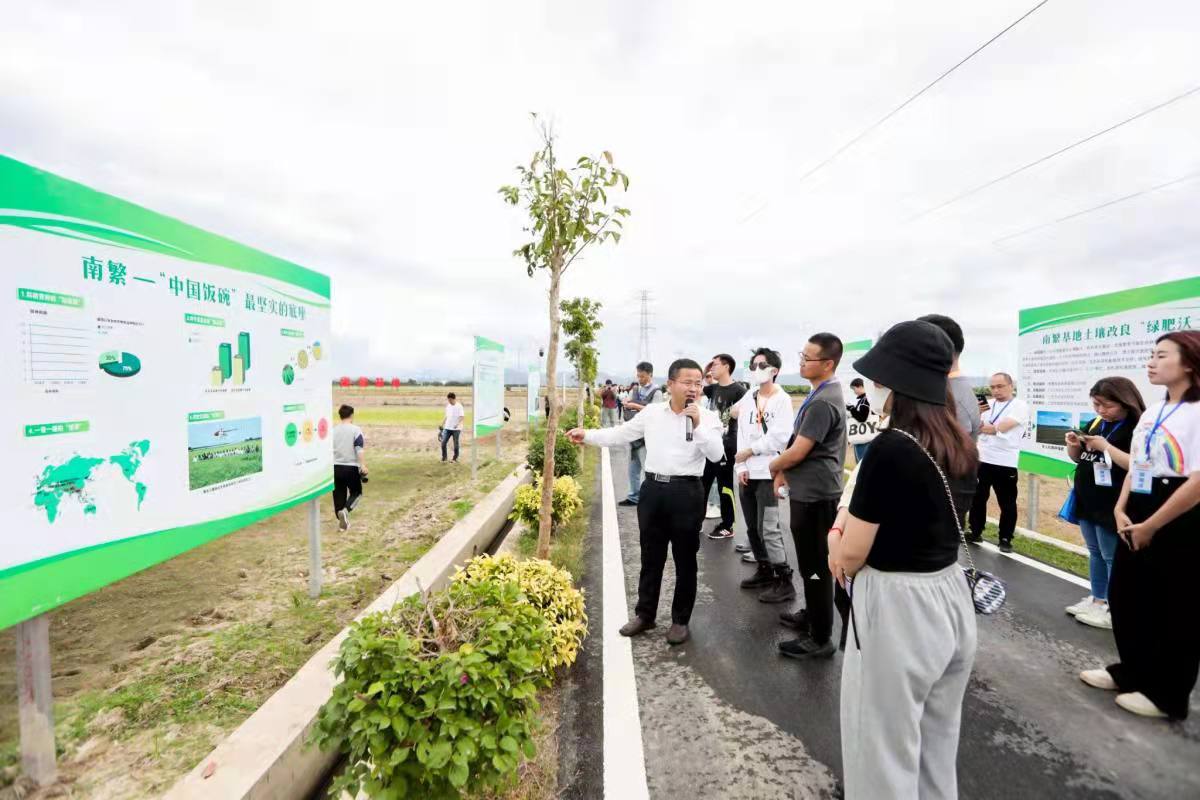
[[812, 468], [680, 438], [1004, 424]]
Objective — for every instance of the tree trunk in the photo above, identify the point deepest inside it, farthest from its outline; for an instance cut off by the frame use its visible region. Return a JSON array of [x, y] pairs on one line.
[[543, 544]]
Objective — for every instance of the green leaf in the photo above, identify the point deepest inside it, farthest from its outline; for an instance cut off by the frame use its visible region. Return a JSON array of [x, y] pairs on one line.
[[530, 749], [458, 775], [508, 743]]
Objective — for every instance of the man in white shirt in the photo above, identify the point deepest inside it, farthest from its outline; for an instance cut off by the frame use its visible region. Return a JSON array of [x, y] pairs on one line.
[[764, 426], [349, 468], [452, 424], [680, 437], [1004, 424]]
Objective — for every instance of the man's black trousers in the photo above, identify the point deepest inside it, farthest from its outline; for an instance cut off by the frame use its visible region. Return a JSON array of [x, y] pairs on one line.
[[723, 474], [669, 514], [811, 522], [347, 486]]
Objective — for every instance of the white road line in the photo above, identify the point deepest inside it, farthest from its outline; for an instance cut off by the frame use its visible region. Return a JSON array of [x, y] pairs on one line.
[[1038, 565], [624, 758]]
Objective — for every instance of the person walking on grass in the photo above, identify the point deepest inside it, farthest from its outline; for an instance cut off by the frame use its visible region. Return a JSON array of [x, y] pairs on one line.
[[1158, 522], [641, 394], [913, 641], [1003, 425], [452, 422], [812, 468], [723, 395], [1102, 459], [764, 426], [349, 467], [680, 437]]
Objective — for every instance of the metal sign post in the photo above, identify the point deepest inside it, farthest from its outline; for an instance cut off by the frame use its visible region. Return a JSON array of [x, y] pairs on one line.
[[1032, 501], [474, 421], [314, 548], [36, 700]]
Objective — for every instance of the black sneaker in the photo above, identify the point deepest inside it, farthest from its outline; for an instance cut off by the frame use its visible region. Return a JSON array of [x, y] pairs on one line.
[[763, 576], [720, 533], [798, 620], [805, 647], [627, 502], [1006, 547], [974, 538], [781, 591]]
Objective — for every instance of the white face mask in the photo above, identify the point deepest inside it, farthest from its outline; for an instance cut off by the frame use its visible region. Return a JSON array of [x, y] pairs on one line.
[[878, 395], [761, 376]]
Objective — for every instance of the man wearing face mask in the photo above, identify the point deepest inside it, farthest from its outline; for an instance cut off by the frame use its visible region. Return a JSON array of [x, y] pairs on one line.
[[680, 438], [764, 425]]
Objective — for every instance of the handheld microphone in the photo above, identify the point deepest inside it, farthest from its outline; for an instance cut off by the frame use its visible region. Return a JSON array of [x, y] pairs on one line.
[[687, 423]]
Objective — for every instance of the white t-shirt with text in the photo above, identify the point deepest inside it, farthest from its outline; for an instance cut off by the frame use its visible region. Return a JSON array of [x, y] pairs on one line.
[[1004, 449]]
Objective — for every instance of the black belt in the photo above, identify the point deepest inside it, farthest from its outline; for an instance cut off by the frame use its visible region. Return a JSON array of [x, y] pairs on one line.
[[654, 476]]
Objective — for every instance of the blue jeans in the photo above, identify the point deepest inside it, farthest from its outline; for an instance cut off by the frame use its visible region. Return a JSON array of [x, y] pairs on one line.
[[637, 457], [446, 437], [860, 450], [1102, 546]]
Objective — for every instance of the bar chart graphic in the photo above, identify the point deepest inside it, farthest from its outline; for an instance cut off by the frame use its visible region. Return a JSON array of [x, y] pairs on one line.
[[232, 367]]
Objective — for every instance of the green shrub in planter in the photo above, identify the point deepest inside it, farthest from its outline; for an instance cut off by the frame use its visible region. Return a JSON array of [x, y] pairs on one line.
[[549, 589], [527, 505], [438, 696], [569, 418], [566, 455]]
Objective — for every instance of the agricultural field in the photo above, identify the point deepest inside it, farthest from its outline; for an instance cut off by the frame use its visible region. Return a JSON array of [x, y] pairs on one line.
[[223, 462]]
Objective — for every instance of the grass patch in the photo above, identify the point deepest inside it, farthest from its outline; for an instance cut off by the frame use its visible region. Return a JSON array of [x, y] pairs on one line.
[[461, 507], [407, 416], [1040, 551], [566, 545]]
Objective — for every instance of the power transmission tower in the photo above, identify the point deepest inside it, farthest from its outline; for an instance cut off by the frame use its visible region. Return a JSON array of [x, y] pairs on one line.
[[645, 327]]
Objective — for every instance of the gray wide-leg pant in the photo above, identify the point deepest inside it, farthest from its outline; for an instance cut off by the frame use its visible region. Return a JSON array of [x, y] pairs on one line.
[[902, 692]]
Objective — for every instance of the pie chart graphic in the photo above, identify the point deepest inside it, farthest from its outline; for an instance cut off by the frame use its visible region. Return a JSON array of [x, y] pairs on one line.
[[323, 428], [290, 433], [307, 430], [119, 364], [289, 374]]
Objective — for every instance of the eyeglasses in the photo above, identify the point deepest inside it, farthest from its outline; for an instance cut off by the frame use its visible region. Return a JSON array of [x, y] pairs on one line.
[[807, 358], [760, 365], [691, 384]]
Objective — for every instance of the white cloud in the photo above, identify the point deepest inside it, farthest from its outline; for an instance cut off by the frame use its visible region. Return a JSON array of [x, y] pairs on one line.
[[367, 140]]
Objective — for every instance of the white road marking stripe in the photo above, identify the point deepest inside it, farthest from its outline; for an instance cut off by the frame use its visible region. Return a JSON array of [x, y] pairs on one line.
[[1038, 565], [624, 758]]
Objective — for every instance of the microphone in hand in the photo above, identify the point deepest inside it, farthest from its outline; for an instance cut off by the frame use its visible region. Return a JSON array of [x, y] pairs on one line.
[[687, 422]]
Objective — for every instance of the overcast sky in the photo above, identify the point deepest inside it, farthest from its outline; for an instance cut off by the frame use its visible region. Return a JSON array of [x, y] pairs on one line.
[[366, 140]]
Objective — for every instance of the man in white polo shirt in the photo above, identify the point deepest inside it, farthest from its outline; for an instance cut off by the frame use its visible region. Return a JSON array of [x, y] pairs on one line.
[[680, 438], [452, 424], [1004, 424]]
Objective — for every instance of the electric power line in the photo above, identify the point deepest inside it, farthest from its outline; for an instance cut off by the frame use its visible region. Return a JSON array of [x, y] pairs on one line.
[[870, 128], [1055, 154], [1085, 211]]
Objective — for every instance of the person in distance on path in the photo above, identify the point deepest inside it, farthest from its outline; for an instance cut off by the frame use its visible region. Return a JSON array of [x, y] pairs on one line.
[[671, 500], [641, 394], [723, 395], [1004, 424], [812, 467], [609, 405], [764, 425], [913, 638], [349, 467]]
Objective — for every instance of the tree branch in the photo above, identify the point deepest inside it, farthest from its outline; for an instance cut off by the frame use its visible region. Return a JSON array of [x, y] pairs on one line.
[[587, 242]]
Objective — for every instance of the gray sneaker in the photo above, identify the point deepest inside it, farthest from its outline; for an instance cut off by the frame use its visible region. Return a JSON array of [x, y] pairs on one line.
[[749, 558]]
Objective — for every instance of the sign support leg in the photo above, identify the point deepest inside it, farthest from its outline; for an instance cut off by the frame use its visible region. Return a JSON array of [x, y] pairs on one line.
[[36, 700], [497, 445], [1032, 502], [314, 548]]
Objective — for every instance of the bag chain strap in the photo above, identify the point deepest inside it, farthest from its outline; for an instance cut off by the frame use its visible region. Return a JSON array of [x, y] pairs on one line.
[[949, 496]]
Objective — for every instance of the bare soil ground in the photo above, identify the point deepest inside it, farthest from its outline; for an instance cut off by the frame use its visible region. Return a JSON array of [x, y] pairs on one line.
[[151, 672]]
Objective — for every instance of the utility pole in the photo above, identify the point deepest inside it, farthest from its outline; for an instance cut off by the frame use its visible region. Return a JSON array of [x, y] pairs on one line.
[[645, 327]]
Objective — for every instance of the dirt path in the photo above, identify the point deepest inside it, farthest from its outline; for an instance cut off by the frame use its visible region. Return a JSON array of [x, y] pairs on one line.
[[151, 672]]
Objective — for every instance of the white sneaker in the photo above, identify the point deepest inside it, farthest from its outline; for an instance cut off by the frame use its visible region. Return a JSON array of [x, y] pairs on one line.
[[749, 558], [1082, 607], [343, 520], [712, 512], [1099, 617], [1138, 703], [1098, 679]]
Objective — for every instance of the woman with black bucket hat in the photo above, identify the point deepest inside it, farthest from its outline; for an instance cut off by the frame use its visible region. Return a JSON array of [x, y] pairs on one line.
[[913, 636]]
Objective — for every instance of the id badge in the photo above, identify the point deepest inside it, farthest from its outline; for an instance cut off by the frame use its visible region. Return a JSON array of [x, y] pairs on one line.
[[1141, 477], [1102, 473]]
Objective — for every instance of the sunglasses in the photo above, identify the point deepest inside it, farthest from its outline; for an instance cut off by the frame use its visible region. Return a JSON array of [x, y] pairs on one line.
[[760, 365]]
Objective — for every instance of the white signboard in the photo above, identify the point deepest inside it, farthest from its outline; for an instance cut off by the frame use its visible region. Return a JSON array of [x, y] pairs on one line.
[[532, 405], [166, 386], [488, 411]]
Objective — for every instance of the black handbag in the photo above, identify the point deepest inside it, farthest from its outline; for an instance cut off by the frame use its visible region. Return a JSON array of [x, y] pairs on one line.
[[988, 592]]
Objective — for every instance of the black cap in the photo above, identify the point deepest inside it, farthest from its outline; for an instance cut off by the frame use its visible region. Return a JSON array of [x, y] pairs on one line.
[[912, 359]]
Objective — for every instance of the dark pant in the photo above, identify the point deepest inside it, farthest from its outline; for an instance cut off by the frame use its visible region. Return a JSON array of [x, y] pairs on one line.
[[347, 487], [1148, 594], [1004, 481], [811, 522], [446, 436], [723, 474], [669, 514]]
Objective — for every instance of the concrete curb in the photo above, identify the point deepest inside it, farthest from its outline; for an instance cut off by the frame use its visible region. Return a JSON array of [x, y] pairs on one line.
[[1050, 540], [267, 757]]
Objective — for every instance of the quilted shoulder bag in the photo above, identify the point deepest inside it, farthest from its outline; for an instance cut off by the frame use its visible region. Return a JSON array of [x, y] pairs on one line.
[[988, 592]]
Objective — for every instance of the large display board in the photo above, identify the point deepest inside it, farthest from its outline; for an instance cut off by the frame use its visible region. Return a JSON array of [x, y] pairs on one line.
[[1065, 348], [532, 401], [166, 386], [488, 411]]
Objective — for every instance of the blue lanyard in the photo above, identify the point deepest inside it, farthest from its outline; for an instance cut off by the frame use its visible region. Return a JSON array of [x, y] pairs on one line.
[[1109, 434], [811, 395], [1158, 423], [997, 415]]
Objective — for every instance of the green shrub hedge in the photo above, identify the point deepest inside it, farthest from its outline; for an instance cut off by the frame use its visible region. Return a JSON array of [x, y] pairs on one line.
[[566, 455]]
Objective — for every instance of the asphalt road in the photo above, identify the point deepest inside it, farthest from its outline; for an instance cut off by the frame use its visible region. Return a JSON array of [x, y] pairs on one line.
[[724, 716]]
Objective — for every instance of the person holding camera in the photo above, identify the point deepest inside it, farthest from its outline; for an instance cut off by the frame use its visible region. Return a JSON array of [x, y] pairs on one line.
[[1101, 453]]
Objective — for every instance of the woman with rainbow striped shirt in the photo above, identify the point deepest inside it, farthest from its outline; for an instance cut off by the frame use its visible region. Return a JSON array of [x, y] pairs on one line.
[[1158, 520]]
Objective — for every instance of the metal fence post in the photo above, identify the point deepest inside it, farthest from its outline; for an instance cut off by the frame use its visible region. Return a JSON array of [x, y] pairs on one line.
[[35, 700], [1032, 491], [314, 548]]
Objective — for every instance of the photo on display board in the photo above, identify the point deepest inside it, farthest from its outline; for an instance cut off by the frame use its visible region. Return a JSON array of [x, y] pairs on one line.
[[1052, 426], [223, 450]]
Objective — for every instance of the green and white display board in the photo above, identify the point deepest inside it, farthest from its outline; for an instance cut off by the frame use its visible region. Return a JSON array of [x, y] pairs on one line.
[[488, 412], [532, 406], [856, 432], [168, 386], [1065, 348]]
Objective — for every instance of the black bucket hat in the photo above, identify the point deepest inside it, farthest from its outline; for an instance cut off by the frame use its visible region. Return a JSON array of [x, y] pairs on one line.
[[912, 359]]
